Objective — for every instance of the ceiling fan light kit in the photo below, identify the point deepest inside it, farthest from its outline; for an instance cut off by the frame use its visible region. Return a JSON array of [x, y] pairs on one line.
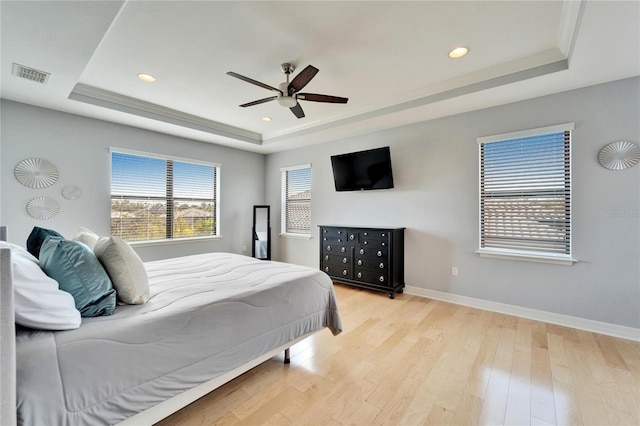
[[288, 94]]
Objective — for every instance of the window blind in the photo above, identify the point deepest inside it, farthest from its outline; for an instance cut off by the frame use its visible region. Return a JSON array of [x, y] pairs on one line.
[[525, 194], [156, 198], [296, 187]]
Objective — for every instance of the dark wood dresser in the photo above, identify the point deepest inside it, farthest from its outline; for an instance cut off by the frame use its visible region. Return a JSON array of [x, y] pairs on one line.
[[371, 258]]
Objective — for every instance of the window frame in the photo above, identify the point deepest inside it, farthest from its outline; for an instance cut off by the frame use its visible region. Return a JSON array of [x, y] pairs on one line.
[[283, 203], [171, 240], [523, 254]]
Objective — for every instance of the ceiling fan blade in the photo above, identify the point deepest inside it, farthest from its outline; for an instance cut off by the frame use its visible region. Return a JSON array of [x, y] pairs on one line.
[[314, 97], [252, 81], [302, 79], [297, 111], [259, 101]]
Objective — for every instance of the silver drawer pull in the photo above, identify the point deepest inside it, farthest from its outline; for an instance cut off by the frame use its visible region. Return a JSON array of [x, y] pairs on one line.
[[379, 253], [361, 251], [352, 236], [344, 260], [344, 272], [381, 265], [326, 269], [383, 244], [343, 249], [326, 257], [381, 278], [359, 274], [383, 234], [328, 248], [359, 262], [366, 242]]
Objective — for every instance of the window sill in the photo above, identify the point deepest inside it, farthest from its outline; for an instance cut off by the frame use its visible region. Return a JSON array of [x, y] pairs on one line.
[[173, 241], [296, 236], [528, 257]]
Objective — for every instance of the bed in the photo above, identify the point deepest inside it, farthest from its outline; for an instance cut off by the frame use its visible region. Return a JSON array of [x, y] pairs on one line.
[[210, 317]]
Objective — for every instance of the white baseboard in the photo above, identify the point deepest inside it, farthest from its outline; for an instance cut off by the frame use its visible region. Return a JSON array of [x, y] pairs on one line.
[[614, 330]]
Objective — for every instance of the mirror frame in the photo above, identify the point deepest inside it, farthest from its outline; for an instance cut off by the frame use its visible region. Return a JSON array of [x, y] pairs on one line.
[[254, 238]]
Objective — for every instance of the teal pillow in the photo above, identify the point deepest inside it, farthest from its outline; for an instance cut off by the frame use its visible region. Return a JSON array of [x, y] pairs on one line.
[[79, 272], [37, 237]]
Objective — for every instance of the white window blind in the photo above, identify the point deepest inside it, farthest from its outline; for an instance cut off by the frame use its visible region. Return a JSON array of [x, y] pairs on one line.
[[154, 198], [296, 200], [525, 193]]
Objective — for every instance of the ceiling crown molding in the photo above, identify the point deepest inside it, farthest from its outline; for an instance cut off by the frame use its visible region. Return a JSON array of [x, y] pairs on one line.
[[115, 101]]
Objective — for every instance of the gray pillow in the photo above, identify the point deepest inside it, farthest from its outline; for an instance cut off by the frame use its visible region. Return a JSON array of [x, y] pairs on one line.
[[77, 270]]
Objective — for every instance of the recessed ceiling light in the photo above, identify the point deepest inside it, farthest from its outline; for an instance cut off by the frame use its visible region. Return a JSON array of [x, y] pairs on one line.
[[266, 119], [146, 77], [458, 52]]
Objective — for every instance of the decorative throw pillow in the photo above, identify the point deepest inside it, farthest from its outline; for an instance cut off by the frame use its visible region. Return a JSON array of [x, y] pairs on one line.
[[87, 236], [125, 268], [80, 273], [37, 237], [38, 301]]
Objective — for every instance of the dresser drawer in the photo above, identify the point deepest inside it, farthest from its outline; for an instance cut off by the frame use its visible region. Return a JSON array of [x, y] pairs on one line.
[[336, 259], [337, 270], [335, 248], [373, 277], [373, 244], [371, 252], [380, 265], [334, 233], [333, 240], [374, 234]]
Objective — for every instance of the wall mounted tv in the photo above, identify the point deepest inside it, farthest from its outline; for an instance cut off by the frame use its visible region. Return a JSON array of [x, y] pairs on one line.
[[370, 169]]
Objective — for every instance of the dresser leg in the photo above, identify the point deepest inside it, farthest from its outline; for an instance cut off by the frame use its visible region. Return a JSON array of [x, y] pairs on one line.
[[287, 356]]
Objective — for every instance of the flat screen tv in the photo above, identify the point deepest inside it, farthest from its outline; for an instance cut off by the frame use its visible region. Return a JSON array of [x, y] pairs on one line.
[[370, 169]]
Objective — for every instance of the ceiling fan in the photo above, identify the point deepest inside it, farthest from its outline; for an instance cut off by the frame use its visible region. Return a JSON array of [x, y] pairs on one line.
[[288, 94]]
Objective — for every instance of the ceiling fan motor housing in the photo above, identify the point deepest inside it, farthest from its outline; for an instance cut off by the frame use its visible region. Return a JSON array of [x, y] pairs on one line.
[[286, 101]]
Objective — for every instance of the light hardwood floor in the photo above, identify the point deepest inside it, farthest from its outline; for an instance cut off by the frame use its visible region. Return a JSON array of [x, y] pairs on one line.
[[413, 361]]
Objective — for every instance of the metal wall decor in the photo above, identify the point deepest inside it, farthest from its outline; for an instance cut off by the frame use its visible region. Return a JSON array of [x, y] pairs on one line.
[[36, 173], [619, 155], [43, 208]]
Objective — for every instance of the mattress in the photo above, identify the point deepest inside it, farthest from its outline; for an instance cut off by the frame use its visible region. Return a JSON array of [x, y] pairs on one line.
[[207, 315]]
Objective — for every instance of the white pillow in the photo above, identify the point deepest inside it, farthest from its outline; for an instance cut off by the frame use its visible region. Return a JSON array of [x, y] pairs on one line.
[[87, 236], [125, 268], [38, 301]]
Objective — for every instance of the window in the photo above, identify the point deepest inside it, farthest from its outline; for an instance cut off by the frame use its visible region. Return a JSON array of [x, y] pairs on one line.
[[525, 194], [155, 198], [296, 200]]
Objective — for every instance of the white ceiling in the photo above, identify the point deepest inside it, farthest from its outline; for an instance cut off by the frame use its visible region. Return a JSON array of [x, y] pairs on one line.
[[388, 57]]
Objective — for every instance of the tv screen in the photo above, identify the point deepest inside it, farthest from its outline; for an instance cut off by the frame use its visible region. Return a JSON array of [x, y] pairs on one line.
[[370, 169]]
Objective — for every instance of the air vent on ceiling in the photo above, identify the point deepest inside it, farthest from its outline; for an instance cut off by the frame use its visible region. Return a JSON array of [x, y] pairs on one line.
[[30, 73]]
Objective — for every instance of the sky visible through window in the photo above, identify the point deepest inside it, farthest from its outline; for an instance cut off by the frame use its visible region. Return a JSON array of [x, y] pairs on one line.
[[149, 175]]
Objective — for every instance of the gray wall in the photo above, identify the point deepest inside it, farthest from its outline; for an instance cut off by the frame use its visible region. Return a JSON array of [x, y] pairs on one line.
[[435, 166], [79, 147], [436, 175]]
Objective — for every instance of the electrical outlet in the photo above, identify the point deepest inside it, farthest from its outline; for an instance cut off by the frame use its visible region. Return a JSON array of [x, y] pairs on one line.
[[454, 271], [244, 249]]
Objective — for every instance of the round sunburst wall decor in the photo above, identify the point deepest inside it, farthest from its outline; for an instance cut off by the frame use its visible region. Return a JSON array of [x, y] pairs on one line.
[[36, 173], [43, 208], [619, 155]]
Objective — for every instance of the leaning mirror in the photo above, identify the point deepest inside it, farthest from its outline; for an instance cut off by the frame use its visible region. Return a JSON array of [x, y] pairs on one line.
[[261, 233]]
